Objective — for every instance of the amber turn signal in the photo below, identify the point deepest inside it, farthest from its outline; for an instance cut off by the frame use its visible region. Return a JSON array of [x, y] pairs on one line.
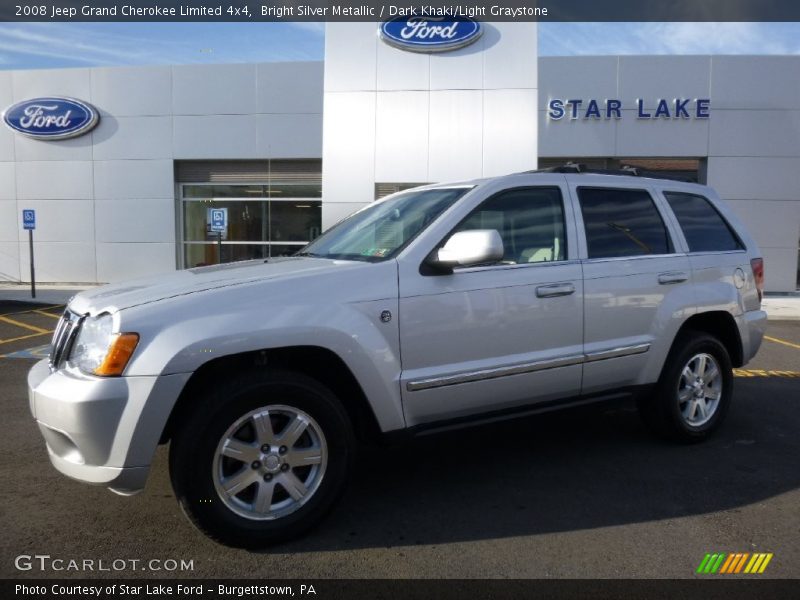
[[119, 353]]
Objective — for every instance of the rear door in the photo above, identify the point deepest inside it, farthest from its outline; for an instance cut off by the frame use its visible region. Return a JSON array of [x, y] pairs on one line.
[[636, 282]]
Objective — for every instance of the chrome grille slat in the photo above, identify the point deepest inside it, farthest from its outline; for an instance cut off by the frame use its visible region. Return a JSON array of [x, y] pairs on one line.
[[62, 338], [70, 338], [57, 338], [63, 345], [58, 347]]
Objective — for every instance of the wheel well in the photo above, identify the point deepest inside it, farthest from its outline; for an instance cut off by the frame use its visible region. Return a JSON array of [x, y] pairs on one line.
[[721, 325], [321, 364]]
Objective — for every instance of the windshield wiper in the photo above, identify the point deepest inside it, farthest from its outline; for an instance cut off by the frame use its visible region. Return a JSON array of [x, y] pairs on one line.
[[309, 254]]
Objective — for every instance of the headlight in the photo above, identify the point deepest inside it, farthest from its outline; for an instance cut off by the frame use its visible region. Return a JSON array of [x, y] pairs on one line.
[[99, 351]]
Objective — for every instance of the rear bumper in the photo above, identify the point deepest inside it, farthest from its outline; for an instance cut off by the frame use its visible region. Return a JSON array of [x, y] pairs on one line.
[[752, 327], [101, 430]]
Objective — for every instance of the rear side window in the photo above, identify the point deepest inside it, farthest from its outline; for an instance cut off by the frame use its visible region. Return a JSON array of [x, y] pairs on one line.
[[622, 223], [704, 228]]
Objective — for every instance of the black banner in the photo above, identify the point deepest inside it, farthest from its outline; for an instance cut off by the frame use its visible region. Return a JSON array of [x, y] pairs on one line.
[[391, 589], [373, 10]]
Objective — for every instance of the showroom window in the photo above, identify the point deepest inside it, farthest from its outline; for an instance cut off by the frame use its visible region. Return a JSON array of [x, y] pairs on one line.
[[621, 222], [273, 217], [384, 189], [680, 169]]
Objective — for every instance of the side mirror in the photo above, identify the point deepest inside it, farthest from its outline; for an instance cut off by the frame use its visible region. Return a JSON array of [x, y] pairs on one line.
[[467, 249]]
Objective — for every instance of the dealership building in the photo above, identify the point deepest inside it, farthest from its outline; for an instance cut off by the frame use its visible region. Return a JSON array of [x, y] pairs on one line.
[[288, 149]]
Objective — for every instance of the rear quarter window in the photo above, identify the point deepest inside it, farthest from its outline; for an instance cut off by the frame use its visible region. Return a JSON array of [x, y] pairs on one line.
[[704, 228]]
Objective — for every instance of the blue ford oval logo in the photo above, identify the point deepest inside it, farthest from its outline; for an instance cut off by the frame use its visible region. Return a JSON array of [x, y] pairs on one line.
[[51, 118], [428, 34]]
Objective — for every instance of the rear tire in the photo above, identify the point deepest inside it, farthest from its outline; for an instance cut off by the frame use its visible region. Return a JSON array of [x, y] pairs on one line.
[[261, 459], [694, 392]]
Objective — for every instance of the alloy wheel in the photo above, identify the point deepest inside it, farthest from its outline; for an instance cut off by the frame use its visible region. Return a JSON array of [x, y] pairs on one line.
[[699, 389], [270, 462]]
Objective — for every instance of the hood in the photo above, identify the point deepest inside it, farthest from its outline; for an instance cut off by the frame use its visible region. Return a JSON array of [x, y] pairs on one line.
[[117, 296]]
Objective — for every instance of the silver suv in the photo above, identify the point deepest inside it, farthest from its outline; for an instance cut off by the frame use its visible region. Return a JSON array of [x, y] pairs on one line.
[[438, 306]]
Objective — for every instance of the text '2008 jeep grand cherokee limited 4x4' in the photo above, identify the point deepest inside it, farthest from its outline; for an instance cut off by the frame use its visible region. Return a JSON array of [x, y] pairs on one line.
[[435, 306]]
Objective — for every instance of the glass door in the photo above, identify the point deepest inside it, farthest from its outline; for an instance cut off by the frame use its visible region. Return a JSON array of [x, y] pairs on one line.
[[264, 220]]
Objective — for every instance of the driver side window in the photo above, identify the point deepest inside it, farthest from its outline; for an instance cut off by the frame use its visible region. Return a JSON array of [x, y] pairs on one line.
[[530, 222]]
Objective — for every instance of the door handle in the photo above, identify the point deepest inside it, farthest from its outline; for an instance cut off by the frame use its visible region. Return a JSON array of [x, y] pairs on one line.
[[673, 277], [552, 291]]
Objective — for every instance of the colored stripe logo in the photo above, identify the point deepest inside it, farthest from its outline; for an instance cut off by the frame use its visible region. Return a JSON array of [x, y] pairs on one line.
[[735, 562]]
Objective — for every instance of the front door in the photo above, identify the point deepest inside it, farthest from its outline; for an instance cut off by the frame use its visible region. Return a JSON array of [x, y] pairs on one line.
[[498, 336]]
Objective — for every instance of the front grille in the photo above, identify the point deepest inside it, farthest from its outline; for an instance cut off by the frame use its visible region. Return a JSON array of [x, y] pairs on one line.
[[63, 338]]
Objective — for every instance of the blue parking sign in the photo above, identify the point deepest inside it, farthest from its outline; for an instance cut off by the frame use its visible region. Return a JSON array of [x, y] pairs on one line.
[[28, 219], [218, 219]]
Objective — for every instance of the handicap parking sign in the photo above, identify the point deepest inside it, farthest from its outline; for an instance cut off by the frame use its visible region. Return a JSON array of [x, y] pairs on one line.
[[218, 219], [29, 219]]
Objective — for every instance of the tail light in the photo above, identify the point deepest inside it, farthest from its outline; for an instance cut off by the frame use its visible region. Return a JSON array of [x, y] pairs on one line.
[[757, 265]]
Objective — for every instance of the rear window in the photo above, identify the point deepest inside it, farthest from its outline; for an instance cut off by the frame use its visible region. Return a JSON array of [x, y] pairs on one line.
[[704, 228], [622, 223]]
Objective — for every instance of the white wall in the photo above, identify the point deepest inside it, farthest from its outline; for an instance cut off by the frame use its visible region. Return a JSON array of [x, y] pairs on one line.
[[752, 139], [396, 116], [105, 202]]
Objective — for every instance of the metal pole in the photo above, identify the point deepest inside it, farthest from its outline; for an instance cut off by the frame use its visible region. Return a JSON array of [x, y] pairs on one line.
[[33, 276], [219, 247]]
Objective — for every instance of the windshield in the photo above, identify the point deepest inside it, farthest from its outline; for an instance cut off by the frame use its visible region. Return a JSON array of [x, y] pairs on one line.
[[383, 228]]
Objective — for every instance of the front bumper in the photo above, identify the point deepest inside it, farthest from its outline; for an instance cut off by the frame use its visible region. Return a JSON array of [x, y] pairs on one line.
[[102, 430]]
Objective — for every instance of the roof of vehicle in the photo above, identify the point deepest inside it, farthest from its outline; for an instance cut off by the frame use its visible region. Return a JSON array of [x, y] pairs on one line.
[[577, 172], [627, 172]]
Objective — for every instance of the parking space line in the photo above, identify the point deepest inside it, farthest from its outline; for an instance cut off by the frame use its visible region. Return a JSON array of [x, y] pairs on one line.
[[780, 341], [30, 310], [766, 373], [42, 351], [16, 323], [25, 337], [46, 314]]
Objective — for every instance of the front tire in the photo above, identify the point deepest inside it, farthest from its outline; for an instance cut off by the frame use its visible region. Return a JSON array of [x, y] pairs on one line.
[[261, 459], [694, 392]]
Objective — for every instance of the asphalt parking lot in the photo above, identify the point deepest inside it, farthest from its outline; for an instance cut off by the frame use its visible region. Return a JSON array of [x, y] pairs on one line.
[[581, 494]]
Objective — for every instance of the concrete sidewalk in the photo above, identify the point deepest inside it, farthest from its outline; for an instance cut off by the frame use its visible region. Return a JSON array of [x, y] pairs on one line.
[[778, 307], [782, 307]]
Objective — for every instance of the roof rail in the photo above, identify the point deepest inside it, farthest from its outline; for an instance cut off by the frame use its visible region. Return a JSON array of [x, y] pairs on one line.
[[572, 167]]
